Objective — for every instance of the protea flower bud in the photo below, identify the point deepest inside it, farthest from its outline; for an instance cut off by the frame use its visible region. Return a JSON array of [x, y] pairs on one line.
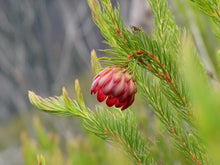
[[117, 85]]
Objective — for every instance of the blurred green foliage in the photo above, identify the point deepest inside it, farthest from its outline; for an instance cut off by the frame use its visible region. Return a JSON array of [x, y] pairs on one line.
[[80, 151]]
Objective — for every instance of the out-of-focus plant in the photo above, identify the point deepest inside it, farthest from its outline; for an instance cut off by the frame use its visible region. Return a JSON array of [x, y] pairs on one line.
[[40, 160], [47, 148], [170, 77], [45, 143]]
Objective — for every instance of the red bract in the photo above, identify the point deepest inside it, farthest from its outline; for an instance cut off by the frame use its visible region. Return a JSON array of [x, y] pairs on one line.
[[117, 85]]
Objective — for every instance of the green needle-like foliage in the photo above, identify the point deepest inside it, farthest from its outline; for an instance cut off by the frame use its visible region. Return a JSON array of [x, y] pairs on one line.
[[158, 55], [160, 63], [115, 126], [212, 9]]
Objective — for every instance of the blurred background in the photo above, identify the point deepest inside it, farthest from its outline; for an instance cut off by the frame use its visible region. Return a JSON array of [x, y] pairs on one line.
[[44, 45]]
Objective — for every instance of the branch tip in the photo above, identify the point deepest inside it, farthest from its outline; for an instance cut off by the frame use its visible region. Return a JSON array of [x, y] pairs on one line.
[[65, 93]]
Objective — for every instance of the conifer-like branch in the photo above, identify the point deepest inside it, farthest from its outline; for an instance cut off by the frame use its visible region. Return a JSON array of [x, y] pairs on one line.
[[141, 49], [212, 9], [157, 54], [115, 126], [163, 110]]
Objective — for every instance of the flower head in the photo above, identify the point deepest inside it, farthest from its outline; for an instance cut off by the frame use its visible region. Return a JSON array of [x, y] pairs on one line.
[[117, 85]]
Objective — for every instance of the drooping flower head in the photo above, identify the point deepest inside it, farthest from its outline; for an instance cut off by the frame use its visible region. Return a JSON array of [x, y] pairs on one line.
[[116, 85]]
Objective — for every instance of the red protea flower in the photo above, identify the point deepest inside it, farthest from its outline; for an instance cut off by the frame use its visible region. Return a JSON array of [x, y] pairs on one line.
[[117, 85]]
